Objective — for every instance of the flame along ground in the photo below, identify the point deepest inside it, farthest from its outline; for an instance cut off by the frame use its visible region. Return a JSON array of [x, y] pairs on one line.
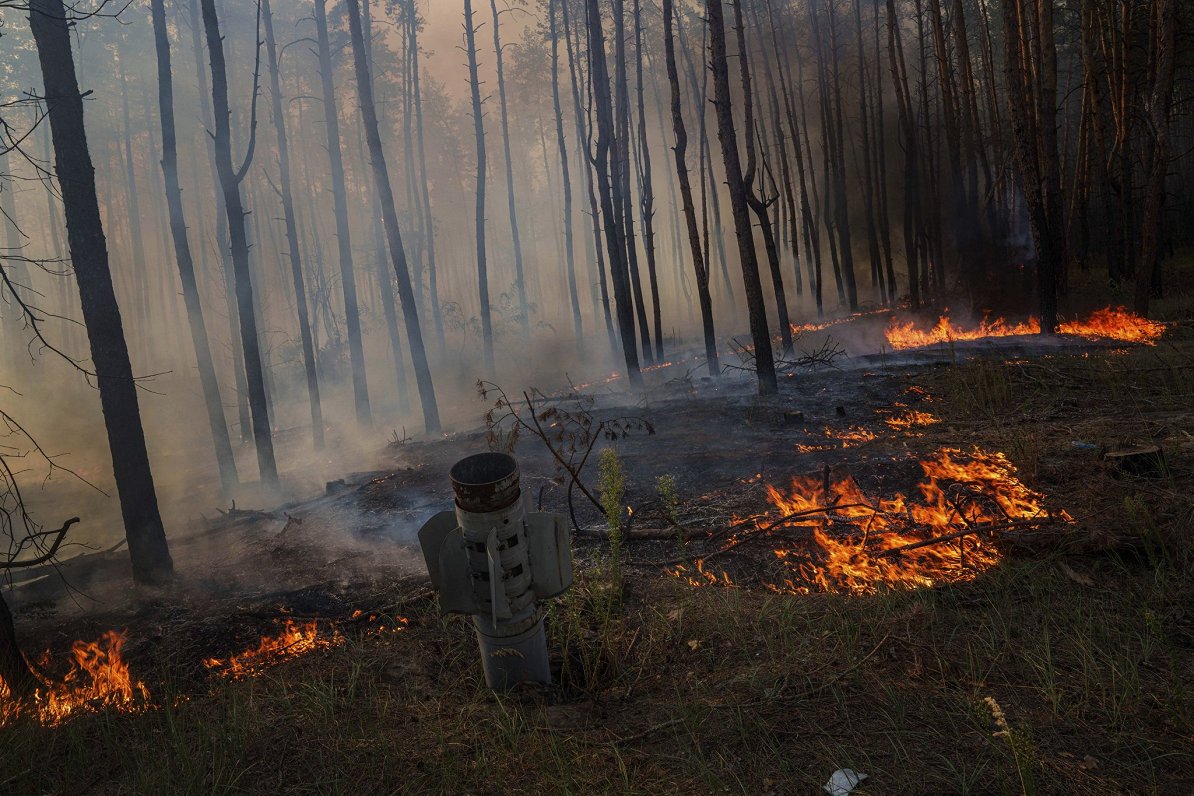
[[1105, 324], [98, 679], [847, 541]]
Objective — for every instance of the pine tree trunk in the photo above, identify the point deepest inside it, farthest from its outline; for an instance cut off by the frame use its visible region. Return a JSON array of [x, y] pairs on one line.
[[760, 335], [292, 238], [225, 461], [101, 314], [479, 134], [607, 164], [562, 144], [348, 283], [699, 265], [230, 179], [381, 176]]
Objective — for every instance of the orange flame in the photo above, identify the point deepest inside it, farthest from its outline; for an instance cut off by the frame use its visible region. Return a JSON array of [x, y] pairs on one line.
[[910, 419], [1116, 324], [847, 438], [855, 545], [1105, 324], [98, 679], [293, 641]]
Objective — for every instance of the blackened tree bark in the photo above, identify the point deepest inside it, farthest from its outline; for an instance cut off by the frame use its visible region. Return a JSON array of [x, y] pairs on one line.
[[757, 203], [646, 187], [348, 281], [89, 253], [511, 205], [381, 175], [756, 307], [310, 367], [230, 179], [607, 165], [699, 266], [470, 45], [1165, 46], [225, 460], [222, 245], [437, 314], [562, 144], [584, 133], [15, 673], [622, 186]]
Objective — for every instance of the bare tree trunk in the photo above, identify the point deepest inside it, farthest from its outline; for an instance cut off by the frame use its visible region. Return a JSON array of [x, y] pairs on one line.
[[607, 165], [381, 176], [694, 234], [292, 238], [761, 336], [225, 461], [646, 188], [437, 314], [757, 204], [222, 245], [562, 144], [89, 252], [230, 180], [519, 271], [470, 38], [15, 673], [348, 283], [624, 192], [1165, 45]]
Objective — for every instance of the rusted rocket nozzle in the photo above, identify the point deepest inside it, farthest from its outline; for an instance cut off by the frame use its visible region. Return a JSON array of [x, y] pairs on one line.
[[485, 482]]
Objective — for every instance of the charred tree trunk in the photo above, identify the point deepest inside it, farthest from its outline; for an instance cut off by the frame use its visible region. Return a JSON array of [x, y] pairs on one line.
[[624, 192], [584, 133], [292, 238], [348, 282], [524, 311], [699, 265], [470, 38], [562, 144], [756, 306], [437, 314], [225, 461], [89, 253], [381, 176], [15, 673], [222, 245], [230, 180], [607, 165], [646, 187], [1165, 45]]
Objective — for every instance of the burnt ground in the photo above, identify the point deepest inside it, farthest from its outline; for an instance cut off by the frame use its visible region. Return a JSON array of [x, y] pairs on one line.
[[1085, 641]]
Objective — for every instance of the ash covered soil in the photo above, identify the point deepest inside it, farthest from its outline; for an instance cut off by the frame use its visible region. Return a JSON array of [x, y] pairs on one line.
[[678, 680]]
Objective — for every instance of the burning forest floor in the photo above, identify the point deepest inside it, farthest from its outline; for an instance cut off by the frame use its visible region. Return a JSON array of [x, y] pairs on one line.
[[759, 630]]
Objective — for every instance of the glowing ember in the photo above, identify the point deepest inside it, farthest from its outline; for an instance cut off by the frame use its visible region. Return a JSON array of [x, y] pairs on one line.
[[848, 438], [910, 419], [1105, 324], [293, 641], [857, 545], [98, 679]]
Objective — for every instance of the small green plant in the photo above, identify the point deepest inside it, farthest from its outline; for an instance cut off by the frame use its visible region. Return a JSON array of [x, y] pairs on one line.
[[665, 486], [611, 487]]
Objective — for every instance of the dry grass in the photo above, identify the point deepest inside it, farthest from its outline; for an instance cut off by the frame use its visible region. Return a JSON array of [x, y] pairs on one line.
[[678, 690]]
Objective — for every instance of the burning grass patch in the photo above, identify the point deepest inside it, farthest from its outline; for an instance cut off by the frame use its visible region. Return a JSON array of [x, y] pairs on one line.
[[98, 679], [824, 533]]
